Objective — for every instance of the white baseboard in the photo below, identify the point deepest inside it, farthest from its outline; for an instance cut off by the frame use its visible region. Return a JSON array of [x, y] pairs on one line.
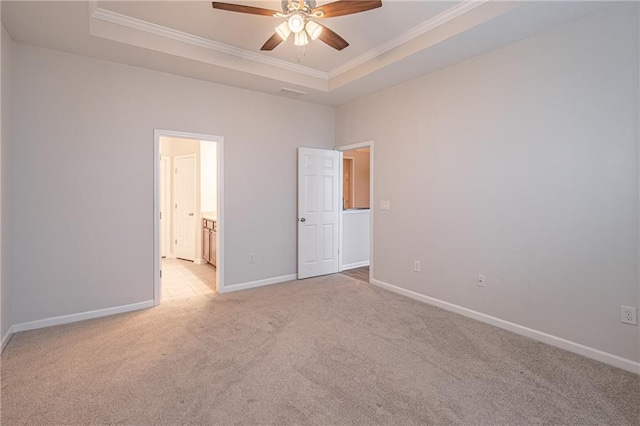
[[6, 338], [354, 265], [589, 352], [65, 319], [199, 261], [259, 283]]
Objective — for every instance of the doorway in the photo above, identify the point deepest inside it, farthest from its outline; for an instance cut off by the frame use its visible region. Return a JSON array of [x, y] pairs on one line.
[[334, 236], [188, 205], [356, 221]]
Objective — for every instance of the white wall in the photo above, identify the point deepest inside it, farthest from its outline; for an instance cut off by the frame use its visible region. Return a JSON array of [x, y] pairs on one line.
[[520, 164], [356, 238], [83, 181], [5, 186], [208, 176]]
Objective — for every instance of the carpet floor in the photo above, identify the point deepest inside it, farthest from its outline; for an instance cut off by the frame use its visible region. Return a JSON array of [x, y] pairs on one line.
[[328, 350]]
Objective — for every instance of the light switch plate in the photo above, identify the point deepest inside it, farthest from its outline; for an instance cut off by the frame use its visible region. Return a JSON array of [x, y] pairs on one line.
[[385, 205]]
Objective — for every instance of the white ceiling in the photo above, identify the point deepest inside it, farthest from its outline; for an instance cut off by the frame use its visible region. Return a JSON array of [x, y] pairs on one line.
[[399, 41]]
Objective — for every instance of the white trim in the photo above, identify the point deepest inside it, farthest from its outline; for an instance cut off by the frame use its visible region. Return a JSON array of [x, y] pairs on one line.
[[420, 29], [65, 319], [341, 202], [259, 283], [352, 173], [159, 30], [198, 261], [194, 40], [355, 265], [157, 133], [589, 352], [5, 339]]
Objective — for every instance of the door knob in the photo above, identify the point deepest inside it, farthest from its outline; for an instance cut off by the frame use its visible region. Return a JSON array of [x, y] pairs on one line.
[[302, 219], [190, 214]]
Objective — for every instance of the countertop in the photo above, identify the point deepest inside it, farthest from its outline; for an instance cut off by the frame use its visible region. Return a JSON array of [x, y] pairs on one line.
[[210, 216], [356, 211]]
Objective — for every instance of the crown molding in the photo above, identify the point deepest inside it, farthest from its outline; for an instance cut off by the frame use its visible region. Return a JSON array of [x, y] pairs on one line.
[[423, 28], [191, 39], [151, 28]]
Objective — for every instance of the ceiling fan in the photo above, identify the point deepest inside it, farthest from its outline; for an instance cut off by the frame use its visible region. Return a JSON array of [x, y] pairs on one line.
[[301, 16]]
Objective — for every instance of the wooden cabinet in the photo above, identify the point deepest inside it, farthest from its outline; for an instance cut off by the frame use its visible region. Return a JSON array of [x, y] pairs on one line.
[[209, 230]]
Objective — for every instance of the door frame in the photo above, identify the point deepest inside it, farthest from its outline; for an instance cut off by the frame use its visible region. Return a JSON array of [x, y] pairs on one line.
[[352, 186], [371, 203], [174, 216], [157, 133]]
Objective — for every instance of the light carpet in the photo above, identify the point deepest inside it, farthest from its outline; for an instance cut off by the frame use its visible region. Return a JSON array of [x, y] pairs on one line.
[[328, 350]]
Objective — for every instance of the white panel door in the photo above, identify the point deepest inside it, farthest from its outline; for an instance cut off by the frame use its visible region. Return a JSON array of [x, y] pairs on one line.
[[318, 211], [185, 206]]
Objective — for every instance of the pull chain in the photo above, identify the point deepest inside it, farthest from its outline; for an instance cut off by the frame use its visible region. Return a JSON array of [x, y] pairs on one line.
[[302, 49]]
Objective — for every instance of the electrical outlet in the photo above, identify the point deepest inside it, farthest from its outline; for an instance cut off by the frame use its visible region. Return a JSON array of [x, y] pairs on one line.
[[481, 280], [385, 205], [628, 315], [416, 266], [252, 258]]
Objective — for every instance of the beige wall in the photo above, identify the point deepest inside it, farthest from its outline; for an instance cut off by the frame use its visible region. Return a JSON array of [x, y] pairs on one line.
[[520, 164], [5, 186], [361, 178], [83, 147]]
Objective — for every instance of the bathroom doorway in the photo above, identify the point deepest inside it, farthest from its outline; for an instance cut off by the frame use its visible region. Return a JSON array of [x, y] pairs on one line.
[[188, 207]]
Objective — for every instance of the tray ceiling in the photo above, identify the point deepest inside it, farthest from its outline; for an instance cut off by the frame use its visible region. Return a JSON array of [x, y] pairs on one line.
[[389, 45]]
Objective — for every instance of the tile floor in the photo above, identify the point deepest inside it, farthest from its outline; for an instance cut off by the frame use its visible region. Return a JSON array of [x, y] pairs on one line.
[[182, 279], [360, 274]]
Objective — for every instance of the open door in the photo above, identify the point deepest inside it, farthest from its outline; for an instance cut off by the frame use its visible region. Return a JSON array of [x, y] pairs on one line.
[[318, 211], [185, 206]]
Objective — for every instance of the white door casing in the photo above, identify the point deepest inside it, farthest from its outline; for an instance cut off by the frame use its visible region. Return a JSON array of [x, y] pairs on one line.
[[165, 212], [185, 206], [370, 145], [319, 179], [157, 261]]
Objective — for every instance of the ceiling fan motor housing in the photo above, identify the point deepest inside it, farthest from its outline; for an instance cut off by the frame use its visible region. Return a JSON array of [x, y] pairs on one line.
[[289, 6], [300, 16]]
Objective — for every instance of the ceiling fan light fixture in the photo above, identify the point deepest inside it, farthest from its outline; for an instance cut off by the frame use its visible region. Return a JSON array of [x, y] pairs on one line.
[[301, 39], [314, 29], [283, 30], [296, 22]]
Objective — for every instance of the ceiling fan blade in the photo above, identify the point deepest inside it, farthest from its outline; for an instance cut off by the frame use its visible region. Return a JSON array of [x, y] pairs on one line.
[[331, 38], [243, 9], [272, 43], [346, 7]]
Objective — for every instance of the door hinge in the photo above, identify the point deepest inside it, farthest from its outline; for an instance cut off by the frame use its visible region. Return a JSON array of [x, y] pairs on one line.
[[176, 170], [161, 273], [176, 242], [160, 215], [176, 207]]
